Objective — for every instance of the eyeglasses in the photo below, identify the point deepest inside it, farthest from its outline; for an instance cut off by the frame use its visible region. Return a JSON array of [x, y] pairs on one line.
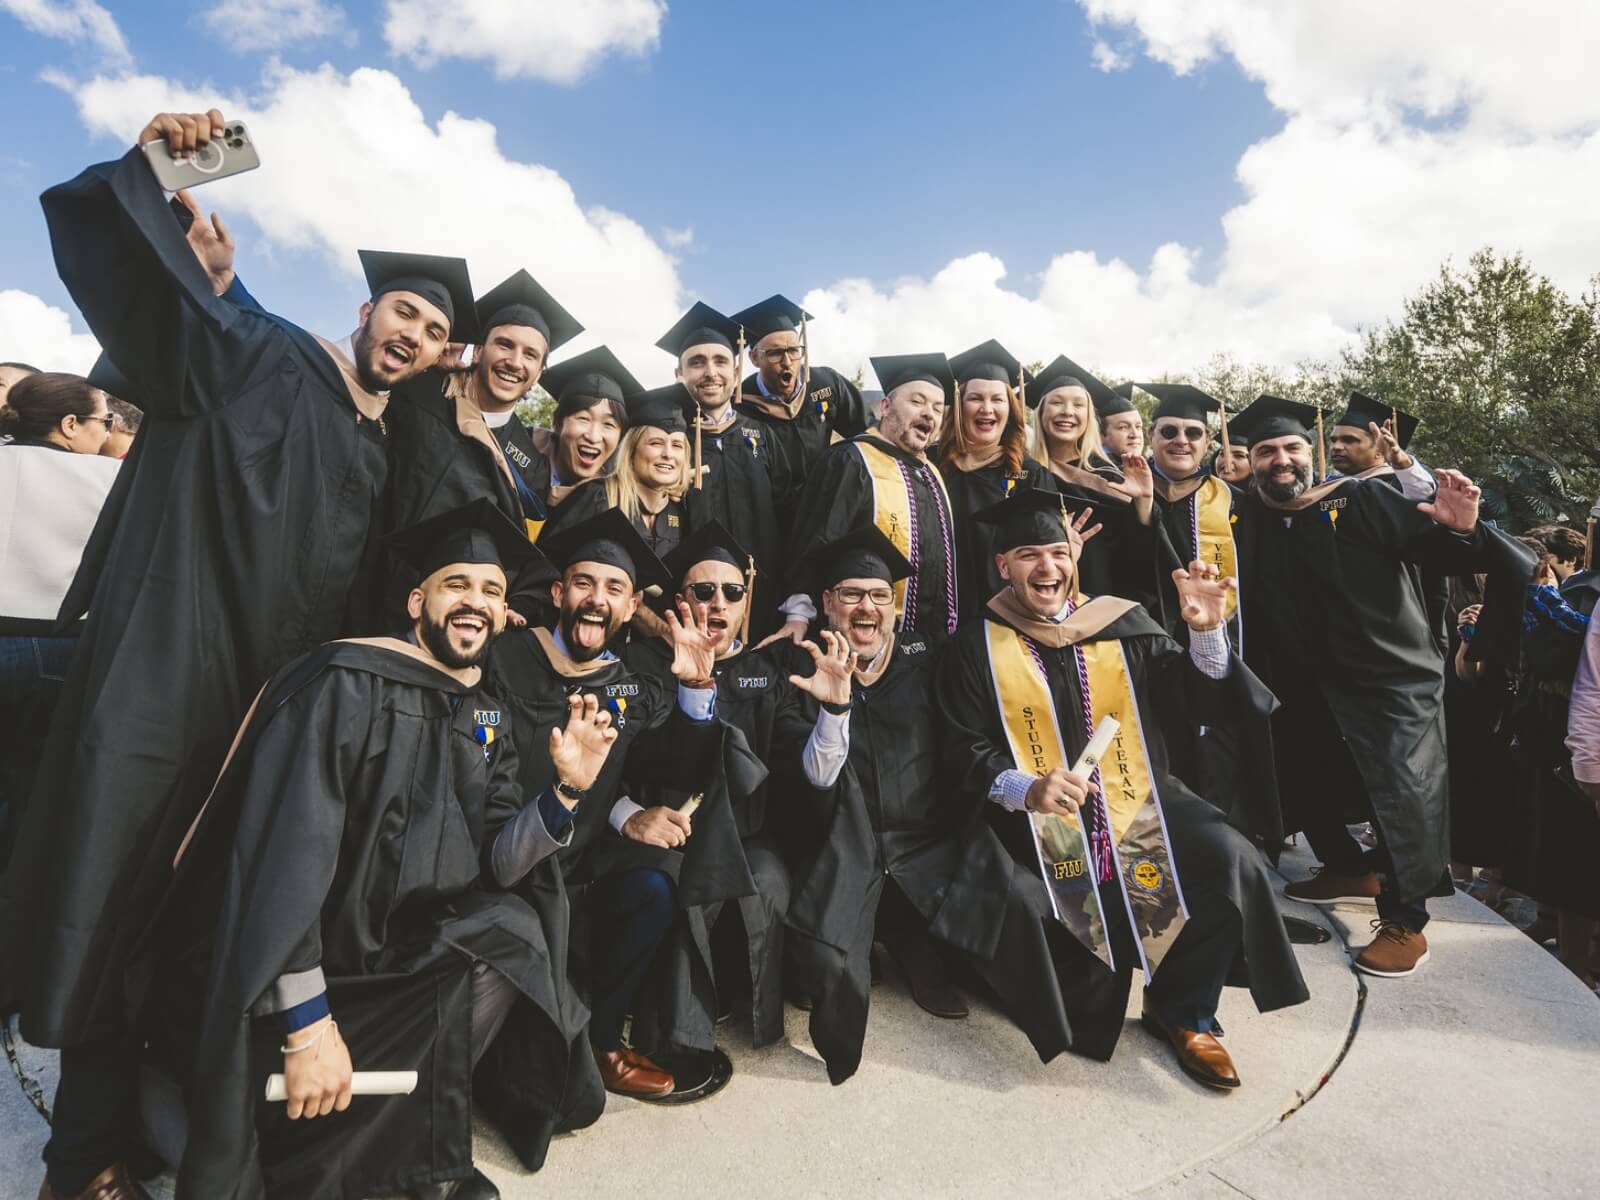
[[779, 353], [706, 592], [1171, 433], [882, 597], [108, 419]]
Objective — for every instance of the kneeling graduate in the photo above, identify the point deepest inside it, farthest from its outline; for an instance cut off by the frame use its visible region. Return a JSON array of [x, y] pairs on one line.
[[365, 859], [1125, 866]]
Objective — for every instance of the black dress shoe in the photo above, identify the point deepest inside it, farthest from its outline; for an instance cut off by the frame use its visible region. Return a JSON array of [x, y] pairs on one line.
[[477, 1186], [1305, 933]]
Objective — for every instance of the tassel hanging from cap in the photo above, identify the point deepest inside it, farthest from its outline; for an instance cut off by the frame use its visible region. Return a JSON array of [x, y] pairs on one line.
[[805, 359], [749, 601], [1322, 464]]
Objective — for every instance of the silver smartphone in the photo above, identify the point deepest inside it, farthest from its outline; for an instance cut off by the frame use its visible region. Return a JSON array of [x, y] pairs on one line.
[[231, 154]]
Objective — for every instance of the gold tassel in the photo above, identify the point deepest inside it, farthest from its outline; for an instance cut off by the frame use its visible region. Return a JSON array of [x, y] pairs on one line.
[[805, 360], [749, 602], [1022, 389], [1322, 464], [1222, 409]]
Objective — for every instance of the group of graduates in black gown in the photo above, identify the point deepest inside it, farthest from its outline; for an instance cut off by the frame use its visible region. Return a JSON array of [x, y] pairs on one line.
[[402, 738]]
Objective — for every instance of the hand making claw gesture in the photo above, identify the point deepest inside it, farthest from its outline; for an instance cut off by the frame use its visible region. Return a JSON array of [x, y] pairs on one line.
[[1138, 482], [1389, 444], [830, 682], [1455, 505], [1203, 595], [694, 648], [1079, 531], [579, 751]]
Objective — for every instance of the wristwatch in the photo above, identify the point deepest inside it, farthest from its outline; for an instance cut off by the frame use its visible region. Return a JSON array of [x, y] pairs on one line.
[[575, 794]]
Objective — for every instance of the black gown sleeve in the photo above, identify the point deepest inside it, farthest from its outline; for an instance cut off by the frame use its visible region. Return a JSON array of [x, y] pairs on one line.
[[972, 752], [848, 417], [835, 500], [121, 252]]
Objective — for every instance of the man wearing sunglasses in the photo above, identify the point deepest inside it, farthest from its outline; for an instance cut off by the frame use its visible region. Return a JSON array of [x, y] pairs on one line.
[[726, 951]]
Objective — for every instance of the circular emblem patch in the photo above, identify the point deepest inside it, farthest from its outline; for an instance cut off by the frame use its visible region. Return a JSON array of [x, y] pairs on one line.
[[1146, 874]]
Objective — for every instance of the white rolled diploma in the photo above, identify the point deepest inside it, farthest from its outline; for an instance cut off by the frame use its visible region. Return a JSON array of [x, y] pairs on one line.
[[1098, 745], [687, 808], [362, 1083]]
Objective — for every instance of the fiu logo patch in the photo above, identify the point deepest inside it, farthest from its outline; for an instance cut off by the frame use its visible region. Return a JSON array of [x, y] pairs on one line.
[[672, 521], [517, 456], [485, 721], [752, 437], [1146, 874], [750, 682], [622, 689], [1330, 509], [913, 647]]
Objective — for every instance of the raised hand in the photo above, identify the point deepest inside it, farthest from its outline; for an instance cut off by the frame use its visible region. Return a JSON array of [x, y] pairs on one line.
[[1077, 534], [792, 631], [1455, 505], [452, 357], [694, 647], [211, 242], [1136, 478], [1202, 595], [830, 682], [184, 132], [1389, 444], [579, 751]]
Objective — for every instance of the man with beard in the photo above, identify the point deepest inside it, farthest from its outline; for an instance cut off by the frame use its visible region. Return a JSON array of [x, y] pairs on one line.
[[1122, 865], [1341, 636], [454, 435], [625, 896], [353, 948], [724, 949], [803, 407], [242, 541], [1121, 425], [884, 478], [572, 460], [740, 469]]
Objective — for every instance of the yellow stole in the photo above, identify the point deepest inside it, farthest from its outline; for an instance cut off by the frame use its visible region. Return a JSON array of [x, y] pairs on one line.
[[1130, 806], [1213, 512], [891, 507]]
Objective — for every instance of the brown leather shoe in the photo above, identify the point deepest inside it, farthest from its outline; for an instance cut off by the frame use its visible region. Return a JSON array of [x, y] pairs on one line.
[[1327, 888], [1394, 951], [114, 1183], [1200, 1055], [630, 1074]]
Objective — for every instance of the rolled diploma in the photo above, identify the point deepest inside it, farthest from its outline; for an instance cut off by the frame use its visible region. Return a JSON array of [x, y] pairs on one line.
[[362, 1083], [1098, 745], [693, 802]]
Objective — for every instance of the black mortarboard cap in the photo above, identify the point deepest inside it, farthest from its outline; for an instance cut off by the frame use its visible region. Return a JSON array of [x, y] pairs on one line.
[[711, 542], [990, 361], [661, 407], [443, 282], [1361, 410], [608, 538], [775, 314], [106, 376], [895, 369], [520, 300], [582, 381], [474, 533], [1181, 400], [863, 553], [1119, 401], [1274, 417], [701, 325], [1030, 516], [1063, 372]]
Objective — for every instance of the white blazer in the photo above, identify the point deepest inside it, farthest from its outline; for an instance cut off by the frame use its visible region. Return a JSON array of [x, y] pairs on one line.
[[49, 500]]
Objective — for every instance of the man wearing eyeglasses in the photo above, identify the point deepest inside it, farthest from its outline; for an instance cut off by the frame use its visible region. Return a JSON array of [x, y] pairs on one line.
[[803, 407]]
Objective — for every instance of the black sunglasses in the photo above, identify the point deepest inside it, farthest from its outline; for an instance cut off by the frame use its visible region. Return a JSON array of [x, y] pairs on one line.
[[705, 592], [1170, 432]]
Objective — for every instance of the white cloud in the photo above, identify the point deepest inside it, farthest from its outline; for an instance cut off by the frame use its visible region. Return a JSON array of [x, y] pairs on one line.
[[379, 174], [558, 41], [72, 21], [1412, 133], [40, 334], [273, 24], [1108, 58], [678, 238]]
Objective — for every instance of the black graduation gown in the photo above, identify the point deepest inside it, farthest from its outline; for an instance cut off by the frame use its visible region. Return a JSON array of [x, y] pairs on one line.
[[799, 435], [1337, 625], [743, 477], [572, 504], [1057, 991], [351, 831], [838, 499], [970, 492], [755, 697], [243, 541]]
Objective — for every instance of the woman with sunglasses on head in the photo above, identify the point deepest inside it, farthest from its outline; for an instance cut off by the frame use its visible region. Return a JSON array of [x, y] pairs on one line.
[[651, 484], [55, 481], [983, 459]]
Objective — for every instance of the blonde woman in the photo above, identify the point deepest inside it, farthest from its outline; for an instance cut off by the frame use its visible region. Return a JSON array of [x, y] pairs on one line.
[[983, 458], [651, 484]]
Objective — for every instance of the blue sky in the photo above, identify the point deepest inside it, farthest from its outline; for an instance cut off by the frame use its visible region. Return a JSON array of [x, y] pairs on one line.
[[806, 146]]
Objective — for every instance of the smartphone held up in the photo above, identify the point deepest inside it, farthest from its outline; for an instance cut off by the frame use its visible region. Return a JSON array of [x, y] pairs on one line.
[[232, 153]]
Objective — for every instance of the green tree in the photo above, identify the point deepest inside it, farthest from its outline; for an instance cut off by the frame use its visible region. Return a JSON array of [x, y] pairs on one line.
[[536, 409], [1503, 368]]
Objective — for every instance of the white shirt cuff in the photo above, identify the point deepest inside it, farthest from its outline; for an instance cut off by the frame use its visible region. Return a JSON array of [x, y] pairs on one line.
[[1010, 790], [699, 704], [1208, 649], [1416, 482], [826, 749], [622, 812], [798, 607]]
